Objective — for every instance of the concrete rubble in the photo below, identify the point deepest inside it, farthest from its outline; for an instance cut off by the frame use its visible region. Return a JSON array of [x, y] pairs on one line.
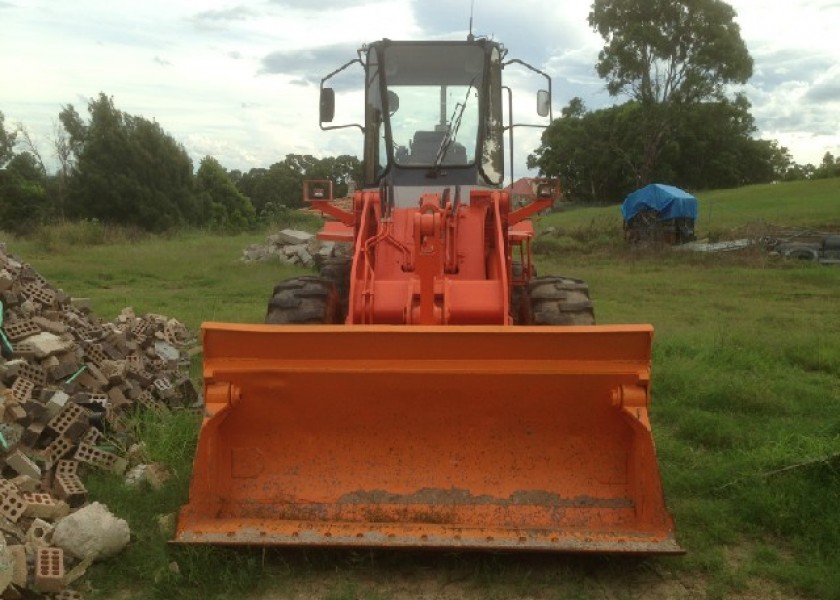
[[293, 247], [68, 380], [91, 532]]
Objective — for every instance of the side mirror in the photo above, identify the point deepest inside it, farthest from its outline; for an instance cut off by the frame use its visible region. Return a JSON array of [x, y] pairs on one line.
[[327, 105], [543, 103]]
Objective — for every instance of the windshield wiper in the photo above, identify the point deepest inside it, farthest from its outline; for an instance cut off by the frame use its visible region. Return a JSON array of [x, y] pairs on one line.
[[451, 132]]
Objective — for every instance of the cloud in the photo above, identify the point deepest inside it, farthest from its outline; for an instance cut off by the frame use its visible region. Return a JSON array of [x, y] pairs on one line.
[[310, 65], [309, 5], [6, 5], [826, 92], [531, 30], [161, 61], [211, 20]]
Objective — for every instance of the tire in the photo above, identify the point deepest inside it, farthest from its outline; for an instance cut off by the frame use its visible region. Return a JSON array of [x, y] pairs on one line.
[[303, 300], [519, 307], [803, 252], [337, 270], [560, 301]]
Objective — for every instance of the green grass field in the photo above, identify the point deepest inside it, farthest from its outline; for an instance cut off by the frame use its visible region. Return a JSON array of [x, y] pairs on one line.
[[797, 204], [746, 417]]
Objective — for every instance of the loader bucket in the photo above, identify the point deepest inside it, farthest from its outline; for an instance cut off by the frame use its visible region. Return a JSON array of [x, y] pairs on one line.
[[492, 437]]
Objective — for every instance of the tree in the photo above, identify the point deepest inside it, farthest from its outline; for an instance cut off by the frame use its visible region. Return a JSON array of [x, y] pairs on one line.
[[222, 205], [590, 152], [7, 142], [281, 185], [24, 202], [829, 167], [666, 55], [594, 153], [126, 169]]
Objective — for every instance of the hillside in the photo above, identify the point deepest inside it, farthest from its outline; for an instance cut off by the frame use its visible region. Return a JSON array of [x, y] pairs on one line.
[[806, 204]]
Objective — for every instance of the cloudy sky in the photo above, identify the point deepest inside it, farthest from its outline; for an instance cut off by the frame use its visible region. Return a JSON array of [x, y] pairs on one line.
[[239, 80]]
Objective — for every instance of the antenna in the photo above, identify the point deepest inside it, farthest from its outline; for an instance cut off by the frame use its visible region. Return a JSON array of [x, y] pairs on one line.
[[471, 37]]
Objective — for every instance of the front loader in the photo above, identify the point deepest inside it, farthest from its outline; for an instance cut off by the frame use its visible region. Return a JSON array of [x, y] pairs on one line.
[[427, 389]]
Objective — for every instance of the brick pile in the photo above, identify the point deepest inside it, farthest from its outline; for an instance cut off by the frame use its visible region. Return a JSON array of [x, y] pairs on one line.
[[68, 380]]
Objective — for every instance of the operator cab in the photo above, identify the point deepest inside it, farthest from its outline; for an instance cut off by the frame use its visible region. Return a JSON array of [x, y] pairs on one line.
[[433, 115], [431, 110]]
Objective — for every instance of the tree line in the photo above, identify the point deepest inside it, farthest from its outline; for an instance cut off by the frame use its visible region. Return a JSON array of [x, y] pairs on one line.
[[674, 62], [125, 169]]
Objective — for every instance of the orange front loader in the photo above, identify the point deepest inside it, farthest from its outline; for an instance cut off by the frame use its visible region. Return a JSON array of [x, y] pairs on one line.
[[428, 389]]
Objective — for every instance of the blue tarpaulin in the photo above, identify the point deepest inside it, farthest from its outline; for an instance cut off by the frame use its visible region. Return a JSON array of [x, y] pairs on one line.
[[668, 201]]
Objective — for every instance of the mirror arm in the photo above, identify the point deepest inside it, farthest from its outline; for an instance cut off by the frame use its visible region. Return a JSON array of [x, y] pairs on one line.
[[321, 89], [535, 70]]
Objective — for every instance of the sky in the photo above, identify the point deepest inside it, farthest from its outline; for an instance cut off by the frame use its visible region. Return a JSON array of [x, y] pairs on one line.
[[239, 80]]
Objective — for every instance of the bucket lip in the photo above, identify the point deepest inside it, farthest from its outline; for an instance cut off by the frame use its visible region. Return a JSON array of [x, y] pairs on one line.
[[442, 329], [254, 532]]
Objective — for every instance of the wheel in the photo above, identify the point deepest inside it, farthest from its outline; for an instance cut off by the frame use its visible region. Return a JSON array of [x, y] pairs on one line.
[[560, 301], [303, 300], [519, 308], [802, 252], [337, 270]]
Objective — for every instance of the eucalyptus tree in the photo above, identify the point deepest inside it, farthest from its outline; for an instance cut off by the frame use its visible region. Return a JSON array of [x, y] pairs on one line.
[[667, 55]]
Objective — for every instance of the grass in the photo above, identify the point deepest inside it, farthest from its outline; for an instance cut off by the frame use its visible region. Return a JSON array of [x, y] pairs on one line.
[[796, 204], [746, 389]]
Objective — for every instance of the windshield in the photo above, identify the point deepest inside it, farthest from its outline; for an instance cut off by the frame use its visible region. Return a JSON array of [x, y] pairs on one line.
[[433, 103]]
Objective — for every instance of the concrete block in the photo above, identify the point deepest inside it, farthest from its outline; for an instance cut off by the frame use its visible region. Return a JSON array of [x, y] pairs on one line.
[[24, 350], [167, 351], [101, 459], [23, 465], [52, 326], [62, 371], [20, 571], [33, 433], [11, 506], [26, 484], [22, 389], [58, 449], [155, 475], [56, 404], [14, 413], [7, 486], [40, 294], [33, 373], [49, 570], [163, 388], [66, 467], [70, 489], [114, 371], [41, 506], [20, 330], [72, 421], [95, 354], [92, 437], [117, 397], [48, 344], [112, 352], [6, 280], [148, 401], [292, 236], [39, 534], [51, 362]]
